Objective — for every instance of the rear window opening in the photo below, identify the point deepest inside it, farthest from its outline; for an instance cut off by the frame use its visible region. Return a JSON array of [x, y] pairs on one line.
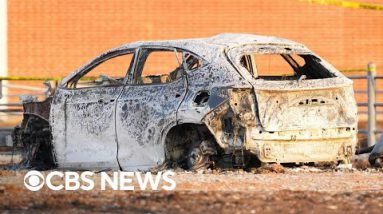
[[285, 66]]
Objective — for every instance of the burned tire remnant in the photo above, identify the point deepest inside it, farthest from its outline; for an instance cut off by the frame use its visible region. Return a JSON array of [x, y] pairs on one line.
[[35, 137], [376, 155], [190, 146], [200, 155]]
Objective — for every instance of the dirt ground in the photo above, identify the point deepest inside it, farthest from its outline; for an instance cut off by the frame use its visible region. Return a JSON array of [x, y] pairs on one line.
[[272, 189]]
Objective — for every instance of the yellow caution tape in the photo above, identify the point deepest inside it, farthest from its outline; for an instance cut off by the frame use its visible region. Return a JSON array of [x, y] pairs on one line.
[[26, 78], [31, 78], [353, 70], [347, 4], [42, 78]]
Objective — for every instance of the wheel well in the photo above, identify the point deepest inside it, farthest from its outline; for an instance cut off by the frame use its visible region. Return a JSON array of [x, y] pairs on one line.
[[36, 139], [182, 137]]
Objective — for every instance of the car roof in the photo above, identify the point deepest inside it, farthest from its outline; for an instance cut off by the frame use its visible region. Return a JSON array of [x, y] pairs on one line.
[[207, 48], [204, 46]]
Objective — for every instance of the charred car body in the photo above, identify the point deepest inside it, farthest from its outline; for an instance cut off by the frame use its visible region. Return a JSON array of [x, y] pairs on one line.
[[219, 103]]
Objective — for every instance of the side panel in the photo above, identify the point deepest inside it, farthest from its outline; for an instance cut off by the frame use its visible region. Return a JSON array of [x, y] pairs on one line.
[[215, 79], [84, 129], [142, 113], [57, 120]]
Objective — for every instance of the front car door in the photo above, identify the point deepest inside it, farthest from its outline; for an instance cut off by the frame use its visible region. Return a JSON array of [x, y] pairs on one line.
[[83, 114], [148, 105]]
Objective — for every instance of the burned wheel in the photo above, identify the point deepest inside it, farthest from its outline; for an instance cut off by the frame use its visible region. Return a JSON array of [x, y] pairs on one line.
[[195, 159], [35, 137], [190, 146], [375, 161], [200, 155]]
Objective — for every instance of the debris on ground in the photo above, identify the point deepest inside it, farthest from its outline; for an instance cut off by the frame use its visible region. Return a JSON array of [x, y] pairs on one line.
[[271, 168]]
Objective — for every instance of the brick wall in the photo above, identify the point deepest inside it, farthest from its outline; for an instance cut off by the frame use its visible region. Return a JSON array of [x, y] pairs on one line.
[[51, 37]]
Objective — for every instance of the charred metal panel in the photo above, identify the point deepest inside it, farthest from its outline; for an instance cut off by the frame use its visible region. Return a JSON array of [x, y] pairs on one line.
[[291, 141], [41, 109], [324, 150], [306, 109], [215, 78], [311, 145], [231, 119], [84, 127], [143, 113]]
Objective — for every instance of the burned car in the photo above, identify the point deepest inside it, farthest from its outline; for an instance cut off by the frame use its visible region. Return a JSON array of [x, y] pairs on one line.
[[228, 99]]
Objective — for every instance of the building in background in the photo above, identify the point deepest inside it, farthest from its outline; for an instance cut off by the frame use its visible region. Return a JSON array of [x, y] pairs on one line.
[[3, 43], [51, 38]]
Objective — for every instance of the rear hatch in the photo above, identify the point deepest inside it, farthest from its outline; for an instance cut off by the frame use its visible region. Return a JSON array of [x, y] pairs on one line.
[[295, 89], [310, 104]]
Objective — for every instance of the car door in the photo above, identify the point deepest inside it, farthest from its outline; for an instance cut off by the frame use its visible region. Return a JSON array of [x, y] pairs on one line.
[[86, 137], [147, 106]]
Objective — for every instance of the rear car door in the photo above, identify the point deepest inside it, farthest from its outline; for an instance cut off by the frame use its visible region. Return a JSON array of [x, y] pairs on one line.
[[85, 133], [148, 105]]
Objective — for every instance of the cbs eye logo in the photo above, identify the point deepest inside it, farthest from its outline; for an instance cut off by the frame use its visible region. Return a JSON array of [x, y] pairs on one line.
[[34, 180]]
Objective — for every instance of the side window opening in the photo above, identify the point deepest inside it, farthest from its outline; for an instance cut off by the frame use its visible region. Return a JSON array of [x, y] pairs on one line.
[[109, 72], [192, 62], [159, 66], [284, 66], [314, 69]]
